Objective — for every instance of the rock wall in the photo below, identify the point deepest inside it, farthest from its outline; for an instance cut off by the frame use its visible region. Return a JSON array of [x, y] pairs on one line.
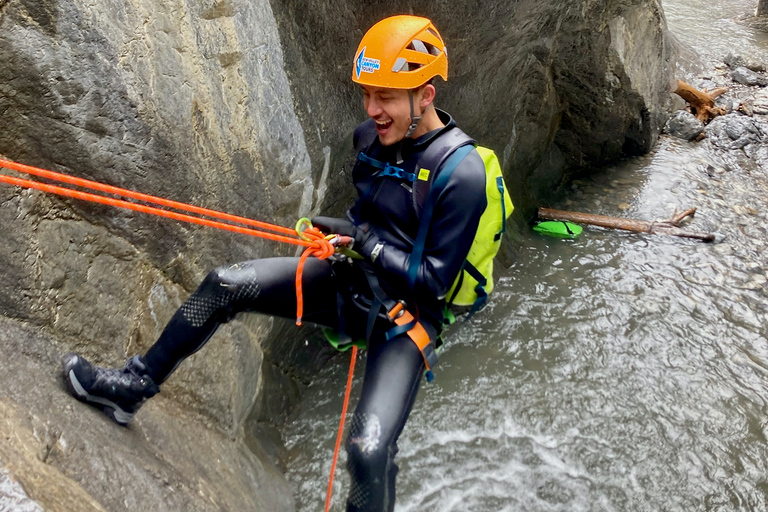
[[183, 99], [247, 107]]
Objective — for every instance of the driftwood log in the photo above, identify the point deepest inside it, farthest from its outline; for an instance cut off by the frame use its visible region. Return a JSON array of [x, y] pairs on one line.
[[702, 103], [665, 227]]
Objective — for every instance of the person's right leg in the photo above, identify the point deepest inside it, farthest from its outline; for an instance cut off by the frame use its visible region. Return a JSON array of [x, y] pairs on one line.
[[265, 286]]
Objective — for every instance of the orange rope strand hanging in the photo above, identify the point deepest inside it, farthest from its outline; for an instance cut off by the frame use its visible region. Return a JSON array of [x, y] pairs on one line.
[[341, 428]]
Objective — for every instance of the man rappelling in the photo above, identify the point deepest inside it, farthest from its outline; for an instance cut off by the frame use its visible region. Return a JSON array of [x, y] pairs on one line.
[[421, 187]]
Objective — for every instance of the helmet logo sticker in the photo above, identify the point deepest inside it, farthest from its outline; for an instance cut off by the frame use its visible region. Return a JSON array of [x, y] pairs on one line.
[[364, 64]]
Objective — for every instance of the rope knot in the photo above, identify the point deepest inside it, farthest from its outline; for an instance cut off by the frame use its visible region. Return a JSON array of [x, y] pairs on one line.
[[321, 246]]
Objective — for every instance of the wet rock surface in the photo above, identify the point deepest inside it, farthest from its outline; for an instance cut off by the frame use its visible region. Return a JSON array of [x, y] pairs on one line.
[[735, 61], [68, 456], [760, 103], [684, 125], [746, 76]]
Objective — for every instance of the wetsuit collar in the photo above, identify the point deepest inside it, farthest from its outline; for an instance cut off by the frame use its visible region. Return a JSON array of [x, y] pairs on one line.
[[425, 139], [410, 146]]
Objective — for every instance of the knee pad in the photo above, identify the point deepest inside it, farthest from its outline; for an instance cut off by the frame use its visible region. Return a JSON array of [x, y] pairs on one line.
[[367, 452], [370, 464], [219, 293]]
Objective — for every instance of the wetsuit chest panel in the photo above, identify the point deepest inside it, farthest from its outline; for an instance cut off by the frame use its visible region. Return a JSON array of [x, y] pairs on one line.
[[387, 202]]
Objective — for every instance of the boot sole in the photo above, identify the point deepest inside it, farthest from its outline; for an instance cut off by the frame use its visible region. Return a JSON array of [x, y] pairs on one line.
[[110, 408]]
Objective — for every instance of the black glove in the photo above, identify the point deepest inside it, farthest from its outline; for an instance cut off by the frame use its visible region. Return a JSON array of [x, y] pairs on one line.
[[365, 239]]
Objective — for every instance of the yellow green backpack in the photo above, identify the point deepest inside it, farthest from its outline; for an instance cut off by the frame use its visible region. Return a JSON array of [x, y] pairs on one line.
[[475, 281], [476, 278]]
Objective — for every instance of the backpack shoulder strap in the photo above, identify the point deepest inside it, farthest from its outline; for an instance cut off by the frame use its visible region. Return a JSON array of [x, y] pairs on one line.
[[429, 206], [431, 163]]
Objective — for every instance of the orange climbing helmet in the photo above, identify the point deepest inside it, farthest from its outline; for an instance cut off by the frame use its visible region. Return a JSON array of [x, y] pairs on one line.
[[400, 52]]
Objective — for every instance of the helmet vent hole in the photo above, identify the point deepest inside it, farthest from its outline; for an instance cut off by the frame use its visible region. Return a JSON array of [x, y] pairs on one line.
[[434, 33], [400, 63], [403, 65], [417, 46], [433, 50], [423, 47]]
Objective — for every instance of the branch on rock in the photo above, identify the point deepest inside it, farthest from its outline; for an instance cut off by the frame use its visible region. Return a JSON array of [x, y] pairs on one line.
[[667, 227], [702, 103]]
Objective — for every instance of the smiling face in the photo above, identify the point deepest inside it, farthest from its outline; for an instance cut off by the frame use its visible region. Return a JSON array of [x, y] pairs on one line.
[[391, 110]]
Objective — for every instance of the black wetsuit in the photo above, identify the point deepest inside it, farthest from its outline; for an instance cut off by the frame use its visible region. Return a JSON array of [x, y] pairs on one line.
[[394, 367]]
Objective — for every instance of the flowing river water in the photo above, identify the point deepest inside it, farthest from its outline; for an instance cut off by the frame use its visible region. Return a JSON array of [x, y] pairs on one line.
[[613, 372]]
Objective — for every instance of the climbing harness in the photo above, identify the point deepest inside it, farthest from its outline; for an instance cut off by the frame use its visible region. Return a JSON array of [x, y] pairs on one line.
[[404, 322], [315, 242]]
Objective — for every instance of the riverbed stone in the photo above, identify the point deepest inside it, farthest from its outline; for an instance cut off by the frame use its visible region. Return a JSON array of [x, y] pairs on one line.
[[737, 131], [246, 107], [746, 76], [684, 125], [734, 61], [760, 103]]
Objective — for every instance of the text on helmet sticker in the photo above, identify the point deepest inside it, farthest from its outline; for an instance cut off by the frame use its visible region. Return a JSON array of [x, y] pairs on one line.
[[364, 64]]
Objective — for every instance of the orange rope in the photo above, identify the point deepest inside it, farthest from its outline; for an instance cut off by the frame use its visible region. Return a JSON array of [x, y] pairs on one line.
[[64, 178], [341, 428], [85, 196], [313, 240]]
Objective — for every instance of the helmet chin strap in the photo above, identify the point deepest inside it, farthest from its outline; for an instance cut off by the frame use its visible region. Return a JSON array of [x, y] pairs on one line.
[[411, 129], [414, 119]]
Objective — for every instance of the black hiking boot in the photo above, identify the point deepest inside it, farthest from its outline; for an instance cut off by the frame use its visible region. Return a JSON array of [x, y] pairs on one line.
[[118, 392]]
